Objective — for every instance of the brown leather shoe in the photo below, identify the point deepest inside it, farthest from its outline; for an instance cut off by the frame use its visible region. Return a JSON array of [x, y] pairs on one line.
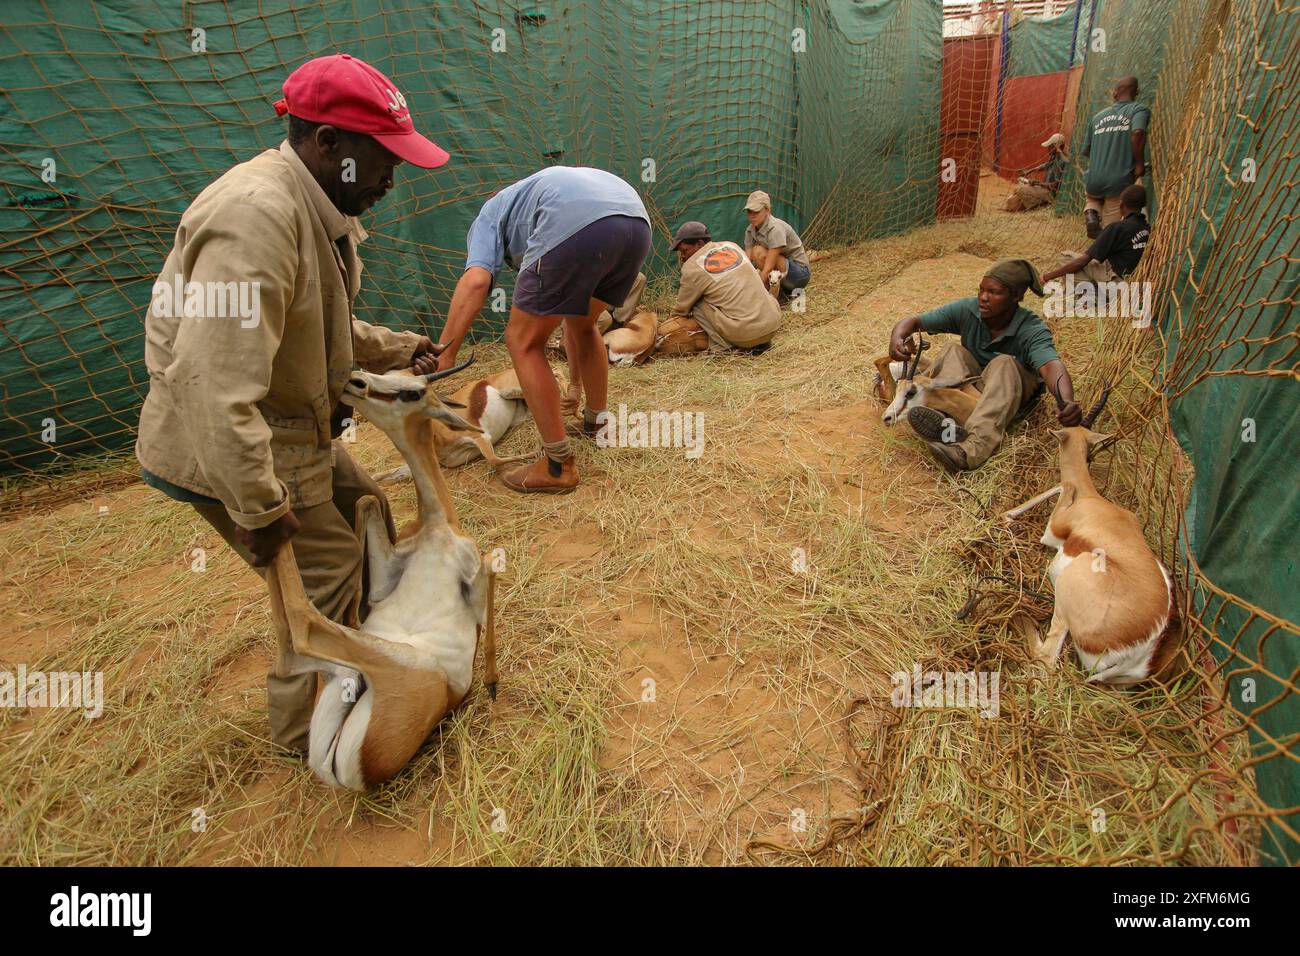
[[544, 475]]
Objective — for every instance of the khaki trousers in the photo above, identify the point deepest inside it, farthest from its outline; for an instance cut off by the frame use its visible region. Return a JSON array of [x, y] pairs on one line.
[[1024, 197], [1005, 387], [330, 559], [1108, 207], [1094, 271]]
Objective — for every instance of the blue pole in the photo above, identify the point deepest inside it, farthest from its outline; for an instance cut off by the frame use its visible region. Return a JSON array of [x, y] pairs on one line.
[[1074, 36], [1002, 83]]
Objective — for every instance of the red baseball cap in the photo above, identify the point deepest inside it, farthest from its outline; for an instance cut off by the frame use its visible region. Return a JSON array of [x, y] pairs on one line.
[[343, 91]]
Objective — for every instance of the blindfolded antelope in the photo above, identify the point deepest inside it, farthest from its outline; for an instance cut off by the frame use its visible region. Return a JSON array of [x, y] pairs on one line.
[[628, 341], [391, 678], [494, 404], [1113, 598], [956, 399]]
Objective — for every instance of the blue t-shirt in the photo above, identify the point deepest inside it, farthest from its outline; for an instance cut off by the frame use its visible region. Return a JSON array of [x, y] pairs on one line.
[[523, 222]]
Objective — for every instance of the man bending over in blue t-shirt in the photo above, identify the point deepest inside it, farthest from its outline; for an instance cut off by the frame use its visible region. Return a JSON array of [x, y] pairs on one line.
[[578, 237]]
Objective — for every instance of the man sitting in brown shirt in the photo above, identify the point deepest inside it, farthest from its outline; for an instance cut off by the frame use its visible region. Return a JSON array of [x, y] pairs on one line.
[[721, 290]]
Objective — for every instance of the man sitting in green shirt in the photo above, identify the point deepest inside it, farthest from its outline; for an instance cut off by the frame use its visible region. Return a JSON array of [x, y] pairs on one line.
[[1008, 346]]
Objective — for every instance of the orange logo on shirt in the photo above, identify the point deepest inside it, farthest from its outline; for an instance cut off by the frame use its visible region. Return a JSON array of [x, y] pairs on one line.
[[721, 260]]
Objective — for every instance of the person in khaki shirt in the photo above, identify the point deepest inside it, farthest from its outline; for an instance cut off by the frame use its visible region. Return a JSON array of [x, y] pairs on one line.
[[722, 291], [250, 339], [774, 247]]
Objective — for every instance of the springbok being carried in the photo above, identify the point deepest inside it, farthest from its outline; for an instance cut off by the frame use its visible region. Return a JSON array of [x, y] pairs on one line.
[[394, 676], [1113, 598], [956, 399]]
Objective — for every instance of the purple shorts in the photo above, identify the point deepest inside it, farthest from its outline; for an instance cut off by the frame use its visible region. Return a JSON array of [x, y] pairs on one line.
[[599, 261]]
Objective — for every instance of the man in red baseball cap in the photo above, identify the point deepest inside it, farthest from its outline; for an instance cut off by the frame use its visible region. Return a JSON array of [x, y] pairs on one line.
[[250, 340]]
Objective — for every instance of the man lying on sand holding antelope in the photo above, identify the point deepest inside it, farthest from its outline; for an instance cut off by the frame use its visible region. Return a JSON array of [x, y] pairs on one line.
[[240, 415], [1006, 352], [578, 237]]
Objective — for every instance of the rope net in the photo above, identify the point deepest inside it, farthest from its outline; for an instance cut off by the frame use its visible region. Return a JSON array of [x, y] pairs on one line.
[[862, 121]]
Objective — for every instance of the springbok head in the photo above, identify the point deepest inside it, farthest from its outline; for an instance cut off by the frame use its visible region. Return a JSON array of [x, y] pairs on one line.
[[390, 400], [1083, 431], [913, 389]]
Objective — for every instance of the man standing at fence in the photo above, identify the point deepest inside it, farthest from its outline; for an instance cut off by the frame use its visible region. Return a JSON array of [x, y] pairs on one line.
[[1007, 346], [578, 237], [242, 408], [1114, 143]]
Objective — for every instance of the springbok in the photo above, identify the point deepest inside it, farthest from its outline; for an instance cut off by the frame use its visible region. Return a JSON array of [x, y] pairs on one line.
[[628, 341], [392, 677], [956, 399], [678, 335], [1113, 597], [494, 405]]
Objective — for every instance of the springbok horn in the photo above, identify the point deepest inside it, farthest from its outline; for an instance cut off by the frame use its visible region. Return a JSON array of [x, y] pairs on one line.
[[1096, 409], [1056, 393], [434, 376], [917, 360]]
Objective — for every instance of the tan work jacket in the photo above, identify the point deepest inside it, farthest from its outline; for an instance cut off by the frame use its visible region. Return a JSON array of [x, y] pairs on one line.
[[249, 349]]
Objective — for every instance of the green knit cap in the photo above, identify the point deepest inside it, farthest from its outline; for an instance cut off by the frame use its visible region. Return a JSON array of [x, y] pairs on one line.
[[1017, 275]]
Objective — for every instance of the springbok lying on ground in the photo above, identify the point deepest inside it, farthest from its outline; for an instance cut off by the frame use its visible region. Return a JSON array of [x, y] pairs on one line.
[[1113, 597], [494, 404], [628, 341], [955, 399], [678, 335], [393, 677]]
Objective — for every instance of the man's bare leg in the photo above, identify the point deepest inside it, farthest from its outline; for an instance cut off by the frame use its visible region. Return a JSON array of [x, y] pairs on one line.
[[571, 403], [526, 336], [592, 360]]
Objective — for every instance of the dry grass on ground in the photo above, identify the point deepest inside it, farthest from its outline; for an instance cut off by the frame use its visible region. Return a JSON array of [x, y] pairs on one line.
[[658, 568]]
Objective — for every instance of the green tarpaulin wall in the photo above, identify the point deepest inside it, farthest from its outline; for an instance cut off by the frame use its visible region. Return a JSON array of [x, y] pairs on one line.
[[1042, 44], [722, 98], [1229, 296]]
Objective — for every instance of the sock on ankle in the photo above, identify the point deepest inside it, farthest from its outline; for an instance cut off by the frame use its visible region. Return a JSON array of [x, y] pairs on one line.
[[558, 450], [592, 417]]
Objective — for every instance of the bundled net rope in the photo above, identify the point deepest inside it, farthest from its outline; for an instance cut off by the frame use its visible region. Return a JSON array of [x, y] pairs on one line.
[[118, 113]]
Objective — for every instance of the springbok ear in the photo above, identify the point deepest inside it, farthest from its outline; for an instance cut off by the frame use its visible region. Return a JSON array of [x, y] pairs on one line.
[[449, 418], [1096, 438], [1061, 435], [452, 403]]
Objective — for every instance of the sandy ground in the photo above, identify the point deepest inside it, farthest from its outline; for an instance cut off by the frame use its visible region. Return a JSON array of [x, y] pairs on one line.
[[658, 573]]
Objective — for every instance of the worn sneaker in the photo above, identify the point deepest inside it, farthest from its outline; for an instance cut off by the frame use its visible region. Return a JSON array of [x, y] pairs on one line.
[[544, 475], [951, 457], [1092, 221], [935, 425]]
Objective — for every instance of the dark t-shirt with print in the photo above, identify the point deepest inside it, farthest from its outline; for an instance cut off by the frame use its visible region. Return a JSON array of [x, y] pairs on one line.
[[1108, 143], [1122, 243]]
